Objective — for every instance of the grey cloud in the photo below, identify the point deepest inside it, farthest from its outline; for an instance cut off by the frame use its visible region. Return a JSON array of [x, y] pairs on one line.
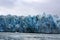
[[51, 7], [28, 8], [7, 3]]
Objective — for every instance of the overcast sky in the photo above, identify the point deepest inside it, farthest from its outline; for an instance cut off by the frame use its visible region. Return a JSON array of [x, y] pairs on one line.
[[29, 7]]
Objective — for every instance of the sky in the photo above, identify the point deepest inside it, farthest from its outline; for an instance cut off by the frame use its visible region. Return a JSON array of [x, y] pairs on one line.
[[29, 7]]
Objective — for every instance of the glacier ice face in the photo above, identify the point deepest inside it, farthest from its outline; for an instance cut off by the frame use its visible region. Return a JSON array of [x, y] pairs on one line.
[[29, 24]]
